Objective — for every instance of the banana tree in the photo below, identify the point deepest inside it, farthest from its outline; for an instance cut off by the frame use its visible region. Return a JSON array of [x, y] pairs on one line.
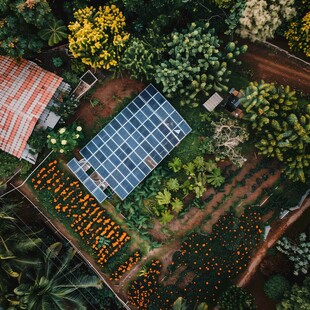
[[166, 217], [177, 205]]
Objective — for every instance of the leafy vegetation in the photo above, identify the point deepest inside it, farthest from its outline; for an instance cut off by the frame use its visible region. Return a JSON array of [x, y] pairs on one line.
[[54, 33], [65, 139], [97, 36], [194, 65], [51, 283], [280, 125], [297, 252], [236, 298], [297, 298], [20, 22], [12, 164]]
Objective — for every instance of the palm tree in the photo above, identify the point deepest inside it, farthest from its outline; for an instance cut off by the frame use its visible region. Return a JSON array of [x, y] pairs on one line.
[[54, 32], [15, 246], [51, 284]]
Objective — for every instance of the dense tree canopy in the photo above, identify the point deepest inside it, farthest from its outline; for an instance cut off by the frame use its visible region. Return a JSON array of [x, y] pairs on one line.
[[20, 22], [260, 19], [195, 65], [298, 35], [236, 298], [280, 124], [98, 36], [298, 298]]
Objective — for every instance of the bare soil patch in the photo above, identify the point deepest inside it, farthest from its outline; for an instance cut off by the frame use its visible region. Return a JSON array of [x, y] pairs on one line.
[[110, 94], [275, 66]]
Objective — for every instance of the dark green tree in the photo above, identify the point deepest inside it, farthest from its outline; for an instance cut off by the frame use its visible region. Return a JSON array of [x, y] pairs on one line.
[[276, 286], [20, 22], [196, 64], [53, 284], [236, 298], [298, 298], [280, 125]]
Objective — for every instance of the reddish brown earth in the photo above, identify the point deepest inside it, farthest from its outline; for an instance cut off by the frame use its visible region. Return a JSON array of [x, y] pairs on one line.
[[275, 66], [110, 94]]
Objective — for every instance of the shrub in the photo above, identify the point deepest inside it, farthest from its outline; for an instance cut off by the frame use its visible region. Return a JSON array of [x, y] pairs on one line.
[[57, 62], [236, 298], [276, 286], [65, 139], [37, 140]]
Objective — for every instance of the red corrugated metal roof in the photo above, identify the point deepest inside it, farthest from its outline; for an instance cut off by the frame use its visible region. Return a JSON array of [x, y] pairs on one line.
[[25, 90]]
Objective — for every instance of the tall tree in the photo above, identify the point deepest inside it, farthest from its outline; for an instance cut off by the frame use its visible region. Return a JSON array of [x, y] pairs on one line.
[[280, 124], [194, 65], [20, 22], [98, 36], [260, 19], [53, 284]]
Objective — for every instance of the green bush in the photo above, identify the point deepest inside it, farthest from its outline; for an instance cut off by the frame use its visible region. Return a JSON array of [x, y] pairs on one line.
[[236, 298], [57, 62], [276, 286]]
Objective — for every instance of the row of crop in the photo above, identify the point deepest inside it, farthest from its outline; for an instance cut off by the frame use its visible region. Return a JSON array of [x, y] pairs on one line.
[[87, 218], [143, 288], [221, 256], [215, 260], [125, 266]]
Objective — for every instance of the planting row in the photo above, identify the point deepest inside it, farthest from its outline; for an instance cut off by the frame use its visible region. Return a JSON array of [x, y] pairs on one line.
[[87, 218], [214, 260]]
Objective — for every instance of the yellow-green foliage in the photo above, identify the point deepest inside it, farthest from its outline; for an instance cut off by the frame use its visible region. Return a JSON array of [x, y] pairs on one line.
[[298, 35], [223, 3], [97, 36]]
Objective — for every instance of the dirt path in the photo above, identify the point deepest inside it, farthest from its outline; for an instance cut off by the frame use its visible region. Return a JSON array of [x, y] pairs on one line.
[[277, 230], [275, 66]]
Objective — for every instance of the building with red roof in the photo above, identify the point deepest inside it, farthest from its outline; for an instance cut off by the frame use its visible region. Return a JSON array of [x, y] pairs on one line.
[[25, 91]]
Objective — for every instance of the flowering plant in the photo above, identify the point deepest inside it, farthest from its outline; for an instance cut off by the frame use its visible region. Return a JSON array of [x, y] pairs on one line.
[[65, 139]]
